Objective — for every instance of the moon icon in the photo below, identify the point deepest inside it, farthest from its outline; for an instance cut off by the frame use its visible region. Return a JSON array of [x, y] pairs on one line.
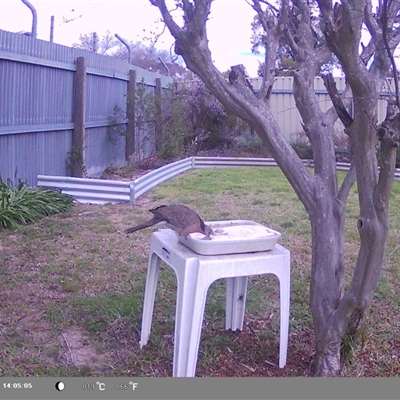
[[60, 386]]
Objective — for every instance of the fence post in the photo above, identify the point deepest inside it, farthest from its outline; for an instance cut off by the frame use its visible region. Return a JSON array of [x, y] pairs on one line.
[[158, 124], [130, 114], [77, 156]]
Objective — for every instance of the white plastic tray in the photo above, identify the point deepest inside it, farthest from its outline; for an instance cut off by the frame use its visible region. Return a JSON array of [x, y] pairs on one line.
[[231, 237]]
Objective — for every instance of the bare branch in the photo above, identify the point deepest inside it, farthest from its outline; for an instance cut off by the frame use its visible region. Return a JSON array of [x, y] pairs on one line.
[[342, 29], [293, 45], [71, 354], [270, 50], [367, 51], [273, 27], [385, 22], [325, 5], [261, 15], [370, 21], [337, 101], [175, 29], [386, 37], [196, 15], [347, 184]]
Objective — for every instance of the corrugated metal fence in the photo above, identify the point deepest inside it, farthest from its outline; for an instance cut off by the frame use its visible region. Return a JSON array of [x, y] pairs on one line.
[[37, 96], [284, 109], [37, 81]]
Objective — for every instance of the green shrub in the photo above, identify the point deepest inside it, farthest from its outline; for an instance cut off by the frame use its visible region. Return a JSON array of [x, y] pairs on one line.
[[303, 150], [22, 204], [171, 143], [301, 145], [247, 141]]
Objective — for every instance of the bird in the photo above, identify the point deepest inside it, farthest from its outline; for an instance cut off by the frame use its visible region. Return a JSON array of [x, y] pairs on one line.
[[238, 73], [180, 218]]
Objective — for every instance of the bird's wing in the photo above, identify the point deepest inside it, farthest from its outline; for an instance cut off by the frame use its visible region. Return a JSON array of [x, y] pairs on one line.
[[178, 216]]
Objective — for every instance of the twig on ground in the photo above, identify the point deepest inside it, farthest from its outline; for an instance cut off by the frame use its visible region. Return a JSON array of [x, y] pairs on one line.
[[249, 368], [69, 349], [270, 363]]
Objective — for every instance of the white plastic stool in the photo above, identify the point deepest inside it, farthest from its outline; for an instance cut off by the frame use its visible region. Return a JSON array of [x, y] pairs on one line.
[[195, 273]]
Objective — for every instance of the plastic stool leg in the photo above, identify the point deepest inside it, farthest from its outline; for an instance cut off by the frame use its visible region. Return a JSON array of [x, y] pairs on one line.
[[284, 288], [149, 297], [191, 299], [236, 291]]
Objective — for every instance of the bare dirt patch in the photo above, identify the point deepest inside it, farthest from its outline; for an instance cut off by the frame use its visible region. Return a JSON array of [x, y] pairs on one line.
[[80, 352]]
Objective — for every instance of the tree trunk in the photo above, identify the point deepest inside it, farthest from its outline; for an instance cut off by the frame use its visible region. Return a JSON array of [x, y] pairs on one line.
[[326, 361], [337, 320], [336, 314], [327, 282]]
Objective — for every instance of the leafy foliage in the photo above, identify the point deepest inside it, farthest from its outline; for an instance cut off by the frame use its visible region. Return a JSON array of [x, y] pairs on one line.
[[22, 204], [285, 60], [92, 42], [248, 141], [171, 144], [148, 57], [192, 120], [199, 119], [116, 127], [145, 119]]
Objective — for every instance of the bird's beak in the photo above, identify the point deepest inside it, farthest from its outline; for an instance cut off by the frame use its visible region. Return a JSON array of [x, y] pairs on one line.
[[209, 231]]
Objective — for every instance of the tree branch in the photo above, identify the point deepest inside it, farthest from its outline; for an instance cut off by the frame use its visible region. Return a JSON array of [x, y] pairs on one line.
[[192, 44], [175, 29], [196, 16], [273, 28], [342, 29], [385, 23], [370, 21], [337, 101], [347, 184], [316, 123]]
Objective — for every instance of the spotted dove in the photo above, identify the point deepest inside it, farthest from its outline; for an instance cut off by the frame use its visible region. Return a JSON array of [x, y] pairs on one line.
[[180, 218]]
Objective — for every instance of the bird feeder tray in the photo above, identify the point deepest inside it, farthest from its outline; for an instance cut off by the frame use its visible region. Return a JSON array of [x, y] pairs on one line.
[[231, 237]]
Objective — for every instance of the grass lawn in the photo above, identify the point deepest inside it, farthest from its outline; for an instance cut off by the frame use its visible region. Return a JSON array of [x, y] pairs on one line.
[[71, 288]]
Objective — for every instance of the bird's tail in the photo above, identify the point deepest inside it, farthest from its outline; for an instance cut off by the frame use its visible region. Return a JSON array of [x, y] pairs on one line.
[[143, 225]]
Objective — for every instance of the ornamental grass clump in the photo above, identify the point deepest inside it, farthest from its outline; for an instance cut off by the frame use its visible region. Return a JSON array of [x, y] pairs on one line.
[[22, 204]]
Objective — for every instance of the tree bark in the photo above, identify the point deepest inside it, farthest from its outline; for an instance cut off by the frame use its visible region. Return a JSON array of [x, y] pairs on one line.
[[336, 313]]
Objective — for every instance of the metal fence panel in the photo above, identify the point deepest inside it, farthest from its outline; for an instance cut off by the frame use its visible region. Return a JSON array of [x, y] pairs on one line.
[[94, 191], [160, 175], [103, 148], [23, 155], [205, 162], [102, 191], [37, 107], [30, 96], [284, 109]]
